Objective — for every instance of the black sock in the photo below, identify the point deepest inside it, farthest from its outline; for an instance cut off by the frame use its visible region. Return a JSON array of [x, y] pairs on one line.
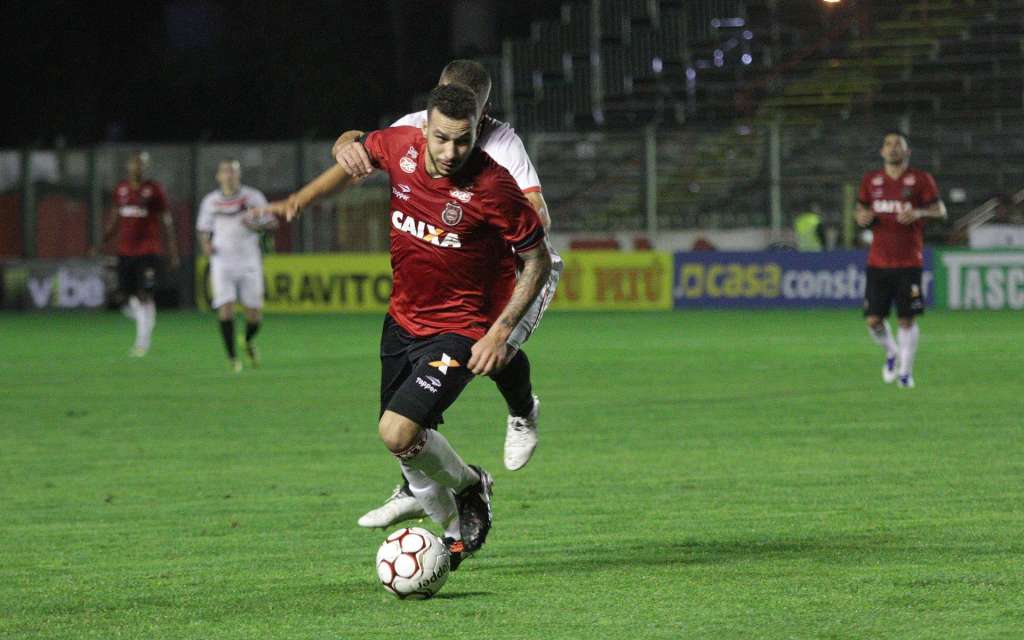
[[514, 383], [251, 329], [227, 330]]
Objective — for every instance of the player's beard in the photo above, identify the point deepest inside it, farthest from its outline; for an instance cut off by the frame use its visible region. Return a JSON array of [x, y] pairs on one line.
[[443, 170]]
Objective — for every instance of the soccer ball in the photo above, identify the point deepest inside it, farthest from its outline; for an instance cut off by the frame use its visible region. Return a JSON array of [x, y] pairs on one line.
[[413, 563]]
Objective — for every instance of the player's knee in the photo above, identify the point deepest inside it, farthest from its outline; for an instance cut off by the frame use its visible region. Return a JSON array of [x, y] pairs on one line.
[[907, 323], [873, 321], [225, 311], [397, 432]]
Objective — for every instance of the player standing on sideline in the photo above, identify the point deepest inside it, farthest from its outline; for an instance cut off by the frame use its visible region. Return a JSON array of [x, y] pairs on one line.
[[454, 304], [894, 202], [139, 208], [229, 233], [499, 141]]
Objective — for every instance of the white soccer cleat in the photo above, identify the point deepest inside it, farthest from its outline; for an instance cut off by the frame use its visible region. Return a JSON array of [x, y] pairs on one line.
[[906, 382], [138, 352], [235, 365], [889, 374], [521, 438], [399, 507]]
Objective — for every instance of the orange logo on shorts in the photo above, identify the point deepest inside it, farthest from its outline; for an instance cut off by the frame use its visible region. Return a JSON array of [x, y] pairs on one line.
[[444, 363]]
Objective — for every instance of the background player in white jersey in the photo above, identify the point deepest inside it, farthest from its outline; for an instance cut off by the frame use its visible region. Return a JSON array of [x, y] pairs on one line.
[[229, 232], [498, 140]]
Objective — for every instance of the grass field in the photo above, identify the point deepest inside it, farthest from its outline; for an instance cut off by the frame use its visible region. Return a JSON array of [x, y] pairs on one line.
[[700, 475]]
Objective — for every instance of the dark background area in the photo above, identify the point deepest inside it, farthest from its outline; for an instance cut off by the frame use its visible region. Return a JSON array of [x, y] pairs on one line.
[[183, 70]]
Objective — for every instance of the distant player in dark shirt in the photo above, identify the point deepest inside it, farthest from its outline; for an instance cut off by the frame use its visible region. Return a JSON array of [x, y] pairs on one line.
[[894, 203], [139, 212], [454, 213]]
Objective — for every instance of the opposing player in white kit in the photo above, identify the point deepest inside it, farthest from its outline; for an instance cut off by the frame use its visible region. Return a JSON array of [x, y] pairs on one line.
[[498, 140], [230, 236]]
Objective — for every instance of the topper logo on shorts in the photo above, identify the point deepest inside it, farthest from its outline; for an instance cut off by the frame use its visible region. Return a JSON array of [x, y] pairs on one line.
[[420, 382], [423, 231], [445, 363]]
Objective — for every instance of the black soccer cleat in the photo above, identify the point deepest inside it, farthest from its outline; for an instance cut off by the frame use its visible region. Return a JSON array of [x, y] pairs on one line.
[[456, 552], [474, 504]]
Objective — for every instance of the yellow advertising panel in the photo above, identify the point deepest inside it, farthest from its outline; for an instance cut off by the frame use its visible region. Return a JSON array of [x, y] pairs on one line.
[[355, 282], [316, 282], [613, 280]]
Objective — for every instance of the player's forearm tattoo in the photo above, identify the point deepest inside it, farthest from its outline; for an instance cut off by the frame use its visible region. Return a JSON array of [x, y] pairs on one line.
[[536, 269]]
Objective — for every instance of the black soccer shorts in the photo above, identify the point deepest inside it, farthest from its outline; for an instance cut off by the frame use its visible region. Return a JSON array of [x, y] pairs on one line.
[[137, 274], [901, 286], [421, 377]]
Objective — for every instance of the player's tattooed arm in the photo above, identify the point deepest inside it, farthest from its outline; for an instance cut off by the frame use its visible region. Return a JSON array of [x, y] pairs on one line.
[[536, 199], [351, 154], [489, 353]]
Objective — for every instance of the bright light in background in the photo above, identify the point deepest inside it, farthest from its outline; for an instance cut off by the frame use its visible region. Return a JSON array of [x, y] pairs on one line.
[[747, 58], [657, 65], [831, 1]]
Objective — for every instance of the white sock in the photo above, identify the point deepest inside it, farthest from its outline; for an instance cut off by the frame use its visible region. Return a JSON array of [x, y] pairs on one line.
[[436, 500], [145, 320], [882, 335], [438, 460], [908, 348], [133, 307]]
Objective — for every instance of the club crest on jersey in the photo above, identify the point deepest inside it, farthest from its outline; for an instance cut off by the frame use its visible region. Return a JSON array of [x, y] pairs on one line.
[[146, 192], [878, 181], [910, 180], [452, 214], [407, 164], [460, 195], [425, 232]]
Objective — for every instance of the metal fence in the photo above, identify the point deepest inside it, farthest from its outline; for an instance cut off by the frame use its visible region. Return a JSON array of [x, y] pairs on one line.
[[757, 174]]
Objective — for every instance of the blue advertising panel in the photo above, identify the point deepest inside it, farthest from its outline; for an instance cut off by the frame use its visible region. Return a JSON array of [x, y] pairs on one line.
[[775, 279]]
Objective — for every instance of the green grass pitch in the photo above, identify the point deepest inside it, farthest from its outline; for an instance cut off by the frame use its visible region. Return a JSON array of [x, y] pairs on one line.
[[700, 475]]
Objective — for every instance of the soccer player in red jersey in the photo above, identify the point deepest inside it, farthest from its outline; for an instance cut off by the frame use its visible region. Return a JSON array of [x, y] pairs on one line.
[[894, 202], [139, 210], [454, 212]]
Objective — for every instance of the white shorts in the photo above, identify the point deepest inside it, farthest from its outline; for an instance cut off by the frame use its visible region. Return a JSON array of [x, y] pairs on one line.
[[531, 319], [236, 283]]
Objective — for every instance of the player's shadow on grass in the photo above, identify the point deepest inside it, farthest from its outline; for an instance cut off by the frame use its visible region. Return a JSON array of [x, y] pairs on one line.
[[706, 552], [458, 595]]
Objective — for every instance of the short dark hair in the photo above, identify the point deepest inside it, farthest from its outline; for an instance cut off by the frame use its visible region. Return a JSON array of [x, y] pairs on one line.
[[453, 101], [897, 132], [469, 73]]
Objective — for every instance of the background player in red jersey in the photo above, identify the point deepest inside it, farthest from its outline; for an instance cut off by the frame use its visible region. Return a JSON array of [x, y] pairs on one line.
[[894, 202], [454, 213], [139, 209]]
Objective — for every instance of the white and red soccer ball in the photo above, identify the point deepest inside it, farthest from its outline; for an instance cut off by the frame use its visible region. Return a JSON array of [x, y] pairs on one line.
[[413, 563]]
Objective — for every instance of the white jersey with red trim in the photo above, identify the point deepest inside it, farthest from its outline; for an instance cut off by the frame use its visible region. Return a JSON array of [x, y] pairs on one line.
[[500, 141], [234, 243]]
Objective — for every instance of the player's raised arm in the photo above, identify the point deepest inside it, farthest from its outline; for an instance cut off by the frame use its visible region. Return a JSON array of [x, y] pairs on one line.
[[490, 351], [327, 182]]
